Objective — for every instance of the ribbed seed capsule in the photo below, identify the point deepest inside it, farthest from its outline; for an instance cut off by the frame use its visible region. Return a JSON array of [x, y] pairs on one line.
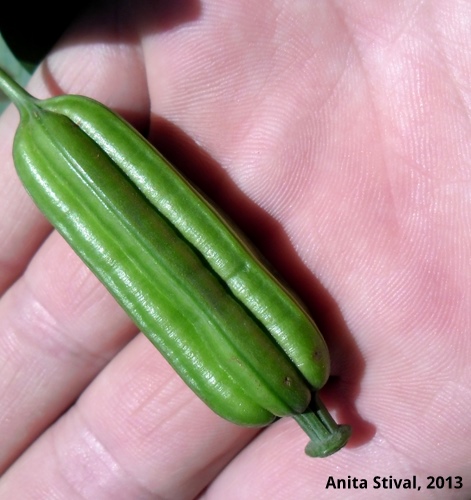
[[149, 268], [219, 244], [179, 271]]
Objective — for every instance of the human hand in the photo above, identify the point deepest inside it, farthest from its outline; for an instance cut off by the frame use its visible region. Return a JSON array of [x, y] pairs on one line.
[[336, 137]]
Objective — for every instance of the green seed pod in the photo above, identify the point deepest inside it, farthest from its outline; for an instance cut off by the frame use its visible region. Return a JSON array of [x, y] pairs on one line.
[[237, 337]]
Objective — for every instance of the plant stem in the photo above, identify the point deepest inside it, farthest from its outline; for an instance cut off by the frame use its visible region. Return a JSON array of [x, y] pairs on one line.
[[16, 93], [326, 435]]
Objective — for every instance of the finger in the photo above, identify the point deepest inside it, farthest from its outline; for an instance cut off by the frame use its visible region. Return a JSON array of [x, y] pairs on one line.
[[136, 432], [46, 304], [58, 327]]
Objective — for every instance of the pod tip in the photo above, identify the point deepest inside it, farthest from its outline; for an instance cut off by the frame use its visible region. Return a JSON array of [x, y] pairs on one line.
[[326, 435], [337, 440]]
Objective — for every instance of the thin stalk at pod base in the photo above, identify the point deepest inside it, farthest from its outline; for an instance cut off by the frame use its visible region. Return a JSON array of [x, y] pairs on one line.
[[326, 435]]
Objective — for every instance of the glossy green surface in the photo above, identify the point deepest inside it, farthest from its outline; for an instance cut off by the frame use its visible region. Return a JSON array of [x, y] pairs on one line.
[[231, 331], [203, 227]]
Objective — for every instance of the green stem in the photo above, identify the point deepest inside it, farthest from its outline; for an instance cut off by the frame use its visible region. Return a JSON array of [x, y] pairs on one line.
[[16, 93], [326, 435]]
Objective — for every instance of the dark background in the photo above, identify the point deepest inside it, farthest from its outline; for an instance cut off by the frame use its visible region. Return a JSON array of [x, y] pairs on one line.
[[31, 29]]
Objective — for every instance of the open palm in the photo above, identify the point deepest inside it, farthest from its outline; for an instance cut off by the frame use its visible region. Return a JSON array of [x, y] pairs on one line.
[[337, 135]]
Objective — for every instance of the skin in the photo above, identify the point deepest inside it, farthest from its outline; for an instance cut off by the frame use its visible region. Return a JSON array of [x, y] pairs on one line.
[[337, 135]]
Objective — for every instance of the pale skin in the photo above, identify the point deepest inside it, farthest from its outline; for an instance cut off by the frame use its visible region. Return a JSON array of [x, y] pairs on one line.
[[337, 135]]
